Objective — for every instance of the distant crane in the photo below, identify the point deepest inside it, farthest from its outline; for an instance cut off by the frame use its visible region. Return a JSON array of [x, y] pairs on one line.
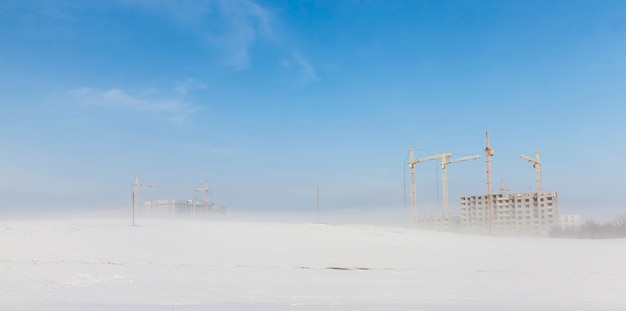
[[138, 186], [488, 155], [411, 165], [537, 165], [206, 193], [445, 160], [503, 187]]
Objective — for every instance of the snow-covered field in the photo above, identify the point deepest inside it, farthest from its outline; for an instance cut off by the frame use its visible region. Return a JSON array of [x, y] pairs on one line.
[[107, 264]]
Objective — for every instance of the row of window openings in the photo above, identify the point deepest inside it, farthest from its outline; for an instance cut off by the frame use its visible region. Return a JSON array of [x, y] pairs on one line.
[[519, 211], [507, 206], [507, 223], [463, 206], [513, 200], [510, 217]]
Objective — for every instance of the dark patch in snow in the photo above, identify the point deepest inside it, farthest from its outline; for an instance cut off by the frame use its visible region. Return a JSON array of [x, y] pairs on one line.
[[348, 268]]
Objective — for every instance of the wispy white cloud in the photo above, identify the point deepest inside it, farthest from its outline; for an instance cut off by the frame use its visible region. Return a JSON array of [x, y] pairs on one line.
[[232, 26], [247, 22], [298, 63], [189, 85], [173, 108], [182, 10], [306, 72]]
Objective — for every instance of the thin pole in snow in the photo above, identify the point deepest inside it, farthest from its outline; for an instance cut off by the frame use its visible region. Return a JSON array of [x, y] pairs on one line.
[[318, 205], [133, 208]]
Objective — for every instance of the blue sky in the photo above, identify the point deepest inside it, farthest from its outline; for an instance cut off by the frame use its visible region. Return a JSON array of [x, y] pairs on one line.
[[270, 99]]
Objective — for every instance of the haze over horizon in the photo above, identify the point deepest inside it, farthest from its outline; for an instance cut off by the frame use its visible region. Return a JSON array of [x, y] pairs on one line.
[[268, 100]]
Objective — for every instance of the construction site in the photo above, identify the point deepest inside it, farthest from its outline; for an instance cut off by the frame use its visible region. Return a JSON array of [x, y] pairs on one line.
[[170, 208], [523, 213]]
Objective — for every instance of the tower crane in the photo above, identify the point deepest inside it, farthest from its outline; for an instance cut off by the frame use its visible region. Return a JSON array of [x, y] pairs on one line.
[[488, 155], [537, 165], [445, 160], [411, 165], [138, 186], [503, 188], [206, 192]]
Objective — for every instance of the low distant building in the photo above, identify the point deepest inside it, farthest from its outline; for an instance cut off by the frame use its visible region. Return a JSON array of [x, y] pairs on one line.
[[179, 208], [437, 221], [527, 213], [570, 221]]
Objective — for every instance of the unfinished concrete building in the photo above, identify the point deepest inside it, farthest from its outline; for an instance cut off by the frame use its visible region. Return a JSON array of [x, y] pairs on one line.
[[527, 213], [179, 208]]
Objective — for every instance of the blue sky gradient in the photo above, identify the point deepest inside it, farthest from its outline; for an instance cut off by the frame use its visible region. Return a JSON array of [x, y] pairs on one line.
[[270, 99]]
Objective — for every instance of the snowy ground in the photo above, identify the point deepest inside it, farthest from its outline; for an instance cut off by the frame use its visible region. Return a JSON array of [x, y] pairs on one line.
[[209, 265]]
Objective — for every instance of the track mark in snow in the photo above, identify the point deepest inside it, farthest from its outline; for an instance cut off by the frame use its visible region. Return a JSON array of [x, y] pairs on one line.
[[90, 280], [341, 268]]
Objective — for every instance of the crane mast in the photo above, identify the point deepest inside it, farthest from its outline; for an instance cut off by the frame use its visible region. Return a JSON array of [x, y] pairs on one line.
[[138, 186], [503, 188], [411, 165], [488, 155], [205, 190], [206, 193], [537, 165], [445, 160]]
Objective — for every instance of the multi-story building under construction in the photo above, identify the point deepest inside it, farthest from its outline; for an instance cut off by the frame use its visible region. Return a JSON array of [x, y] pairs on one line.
[[179, 208], [527, 213]]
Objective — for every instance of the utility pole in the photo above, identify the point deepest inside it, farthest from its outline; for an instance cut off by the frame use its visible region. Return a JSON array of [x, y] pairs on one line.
[[133, 196], [318, 205]]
